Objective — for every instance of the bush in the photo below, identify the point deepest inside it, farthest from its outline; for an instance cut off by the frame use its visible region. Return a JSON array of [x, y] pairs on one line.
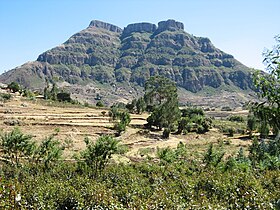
[[63, 97], [14, 87], [97, 155], [213, 157], [28, 94], [226, 109], [236, 118], [16, 145], [99, 104], [166, 133], [231, 132], [5, 96], [192, 111]]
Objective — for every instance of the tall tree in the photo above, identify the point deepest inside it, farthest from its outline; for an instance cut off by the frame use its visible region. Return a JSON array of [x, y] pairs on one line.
[[269, 89], [161, 95]]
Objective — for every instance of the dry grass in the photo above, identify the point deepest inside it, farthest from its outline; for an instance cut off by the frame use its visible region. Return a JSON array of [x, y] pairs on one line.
[[73, 124]]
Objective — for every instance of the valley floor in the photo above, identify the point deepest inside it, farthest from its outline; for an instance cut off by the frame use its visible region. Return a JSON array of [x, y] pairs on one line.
[[72, 123]]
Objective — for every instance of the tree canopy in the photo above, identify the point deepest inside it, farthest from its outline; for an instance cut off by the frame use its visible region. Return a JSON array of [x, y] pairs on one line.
[[161, 95], [268, 86]]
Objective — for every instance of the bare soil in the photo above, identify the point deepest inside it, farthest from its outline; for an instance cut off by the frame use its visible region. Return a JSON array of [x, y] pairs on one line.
[[72, 124]]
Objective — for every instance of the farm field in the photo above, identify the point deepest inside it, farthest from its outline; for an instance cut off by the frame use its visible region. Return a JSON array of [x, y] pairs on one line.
[[72, 123]]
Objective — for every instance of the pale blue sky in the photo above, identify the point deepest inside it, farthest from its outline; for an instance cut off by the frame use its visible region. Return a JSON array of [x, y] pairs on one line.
[[242, 28]]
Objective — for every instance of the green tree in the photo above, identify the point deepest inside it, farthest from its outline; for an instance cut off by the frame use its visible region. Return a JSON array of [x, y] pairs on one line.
[[14, 87], [62, 96], [269, 89], [251, 123], [49, 151], [121, 119], [140, 105], [16, 145], [97, 155], [100, 104], [161, 94], [131, 106], [124, 120], [54, 92], [158, 90]]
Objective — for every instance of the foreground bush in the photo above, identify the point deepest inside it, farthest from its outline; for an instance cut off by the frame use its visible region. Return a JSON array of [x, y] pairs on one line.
[[171, 180], [143, 186]]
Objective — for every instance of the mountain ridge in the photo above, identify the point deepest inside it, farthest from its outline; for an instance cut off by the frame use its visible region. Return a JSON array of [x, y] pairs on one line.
[[103, 54]]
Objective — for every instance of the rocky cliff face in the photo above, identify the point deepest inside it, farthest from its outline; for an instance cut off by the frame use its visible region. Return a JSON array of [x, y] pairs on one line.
[[104, 53], [140, 28], [107, 26]]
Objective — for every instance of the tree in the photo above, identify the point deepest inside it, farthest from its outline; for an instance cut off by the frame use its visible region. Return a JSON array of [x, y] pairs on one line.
[[99, 104], [62, 96], [48, 151], [131, 106], [251, 123], [140, 105], [158, 90], [97, 155], [14, 87], [124, 120], [120, 118], [16, 145], [161, 95], [269, 89]]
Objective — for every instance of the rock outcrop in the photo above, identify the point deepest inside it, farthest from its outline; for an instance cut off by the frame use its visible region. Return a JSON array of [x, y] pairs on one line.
[[107, 26], [139, 27], [170, 25]]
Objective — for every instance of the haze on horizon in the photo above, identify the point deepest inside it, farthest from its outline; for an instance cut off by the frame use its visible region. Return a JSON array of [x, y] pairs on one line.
[[241, 28]]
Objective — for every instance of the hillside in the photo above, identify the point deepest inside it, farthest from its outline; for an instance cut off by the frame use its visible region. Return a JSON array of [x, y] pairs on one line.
[[72, 123], [107, 62]]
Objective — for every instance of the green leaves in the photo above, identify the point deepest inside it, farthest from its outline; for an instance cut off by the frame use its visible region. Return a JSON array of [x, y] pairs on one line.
[[161, 95], [269, 88], [120, 118], [97, 155], [50, 150], [16, 145]]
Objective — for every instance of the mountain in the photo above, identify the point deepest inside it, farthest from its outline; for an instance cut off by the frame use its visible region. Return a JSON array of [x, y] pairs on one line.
[[105, 61]]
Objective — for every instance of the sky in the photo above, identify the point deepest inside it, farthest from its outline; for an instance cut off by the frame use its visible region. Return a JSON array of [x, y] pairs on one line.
[[243, 28]]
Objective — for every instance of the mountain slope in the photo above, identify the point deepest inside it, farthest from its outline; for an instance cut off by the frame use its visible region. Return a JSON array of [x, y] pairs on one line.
[[114, 63]]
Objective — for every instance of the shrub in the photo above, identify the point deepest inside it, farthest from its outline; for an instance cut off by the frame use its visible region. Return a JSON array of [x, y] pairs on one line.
[[28, 94], [14, 87], [226, 109], [166, 133], [213, 157], [49, 151], [99, 104], [63, 97], [183, 124], [236, 118], [5, 96], [97, 155], [231, 131], [15, 145], [192, 111]]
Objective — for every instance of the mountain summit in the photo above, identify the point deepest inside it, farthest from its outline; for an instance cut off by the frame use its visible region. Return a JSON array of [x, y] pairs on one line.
[[105, 61]]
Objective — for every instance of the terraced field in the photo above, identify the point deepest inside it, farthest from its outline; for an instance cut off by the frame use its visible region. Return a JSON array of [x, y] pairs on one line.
[[72, 123]]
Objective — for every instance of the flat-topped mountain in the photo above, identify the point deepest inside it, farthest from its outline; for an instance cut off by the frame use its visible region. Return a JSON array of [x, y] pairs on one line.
[[105, 61]]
